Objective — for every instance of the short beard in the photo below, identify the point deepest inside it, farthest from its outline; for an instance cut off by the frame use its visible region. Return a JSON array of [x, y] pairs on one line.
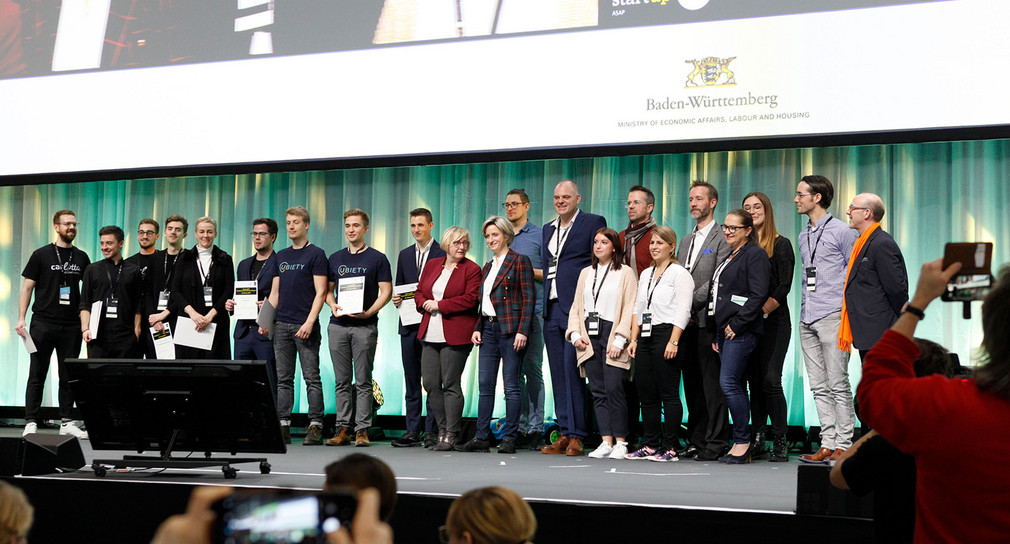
[[67, 238]]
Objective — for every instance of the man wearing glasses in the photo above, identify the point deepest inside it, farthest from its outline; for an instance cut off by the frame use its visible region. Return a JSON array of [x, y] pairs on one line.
[[145, 259], [160, 274], [700, 252], [54, 274], [261, 268], [825, 246], [528, 241], [876, 284]]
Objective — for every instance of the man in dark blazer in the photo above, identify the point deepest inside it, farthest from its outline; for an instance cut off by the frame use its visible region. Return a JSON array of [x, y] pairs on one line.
[[700, 252], [877, 284], [408, 270], [261, 267], [567, 249]]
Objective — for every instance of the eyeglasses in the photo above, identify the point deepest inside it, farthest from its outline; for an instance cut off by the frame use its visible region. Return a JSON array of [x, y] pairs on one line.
[[851, 207], [258, 234], [68, 223], [443, 535], [146, 233], [732, 228], [461, 243], [635, 203], [511, 205]]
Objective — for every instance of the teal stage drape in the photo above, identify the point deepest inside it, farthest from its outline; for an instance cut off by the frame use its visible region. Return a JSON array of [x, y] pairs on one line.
[[934, 193]]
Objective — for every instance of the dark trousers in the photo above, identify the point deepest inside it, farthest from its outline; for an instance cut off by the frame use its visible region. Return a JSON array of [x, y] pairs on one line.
[[497, 347], [254, 346], [707, 415], [569, 387], [658, 381], [65, 340], [441, 370], [410, 353], [764, 374], [606, 383], [105, 349], [733, 380]]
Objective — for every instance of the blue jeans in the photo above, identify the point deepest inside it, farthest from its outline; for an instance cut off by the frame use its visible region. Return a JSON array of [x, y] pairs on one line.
[[531, 380], [495, 347], [568, 384], [733, 381]]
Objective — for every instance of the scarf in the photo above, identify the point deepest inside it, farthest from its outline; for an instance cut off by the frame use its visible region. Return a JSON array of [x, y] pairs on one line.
[[845, 330], [631, 237]]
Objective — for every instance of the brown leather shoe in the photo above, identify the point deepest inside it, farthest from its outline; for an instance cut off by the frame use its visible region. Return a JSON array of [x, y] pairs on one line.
[[574, 447], [820, 457], [361, 438], [556, 448], [836, 455], [342, 438]]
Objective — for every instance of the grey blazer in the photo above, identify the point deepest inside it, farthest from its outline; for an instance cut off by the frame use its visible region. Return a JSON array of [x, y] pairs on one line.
[[714, 251]]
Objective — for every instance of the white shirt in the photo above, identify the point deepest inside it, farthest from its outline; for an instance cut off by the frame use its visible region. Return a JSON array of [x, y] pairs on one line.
[[204, 255], [421, 255], [672, 296], [555, 244], [486, 307], [699, 243], [609, 293], [435, 332]]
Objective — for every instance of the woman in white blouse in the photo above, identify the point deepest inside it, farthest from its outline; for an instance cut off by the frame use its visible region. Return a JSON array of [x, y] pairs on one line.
[[599, 326], [663, 308]]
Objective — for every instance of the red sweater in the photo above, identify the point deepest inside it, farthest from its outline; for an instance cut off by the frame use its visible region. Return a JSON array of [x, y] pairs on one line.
[[958, 436]]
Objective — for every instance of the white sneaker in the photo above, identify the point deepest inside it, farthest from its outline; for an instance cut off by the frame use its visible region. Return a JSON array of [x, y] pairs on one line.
[[30, 428], [73, 430], [619, 450], [602, 451]]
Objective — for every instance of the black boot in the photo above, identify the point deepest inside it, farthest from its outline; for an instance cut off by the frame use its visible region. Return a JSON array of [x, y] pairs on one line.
[[780, 450], [758, 451], [446, 443]]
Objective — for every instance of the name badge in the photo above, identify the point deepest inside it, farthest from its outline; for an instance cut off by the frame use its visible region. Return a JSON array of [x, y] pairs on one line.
[[811, 273], [65, 295], [646, 325], [163, 300], [208, 296], [593, 324], [112, 308], [552, 269], [711, 307]]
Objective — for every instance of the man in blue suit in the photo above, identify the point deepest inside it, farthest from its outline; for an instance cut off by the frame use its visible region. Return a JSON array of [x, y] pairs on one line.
[[567, 249], [261, 267], [408, 269]]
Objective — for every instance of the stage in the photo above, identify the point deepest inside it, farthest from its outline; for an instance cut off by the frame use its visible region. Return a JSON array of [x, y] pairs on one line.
[[575, 498]]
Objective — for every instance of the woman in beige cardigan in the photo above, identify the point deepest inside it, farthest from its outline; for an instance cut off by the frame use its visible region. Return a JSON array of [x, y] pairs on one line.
[[599, 326]]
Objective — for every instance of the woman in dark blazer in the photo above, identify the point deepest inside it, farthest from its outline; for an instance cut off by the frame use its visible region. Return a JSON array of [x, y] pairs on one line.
[[739, 289], [447, 296], [505, 310], [205, 266]]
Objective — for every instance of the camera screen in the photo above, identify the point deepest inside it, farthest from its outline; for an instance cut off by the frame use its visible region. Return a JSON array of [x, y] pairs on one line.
[[277, 520]]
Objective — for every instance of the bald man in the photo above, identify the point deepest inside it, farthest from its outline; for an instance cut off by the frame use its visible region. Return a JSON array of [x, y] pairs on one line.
[[876, 285]]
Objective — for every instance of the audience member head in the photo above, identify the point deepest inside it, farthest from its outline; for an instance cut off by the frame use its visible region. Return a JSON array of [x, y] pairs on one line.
[[360, 471], [489, 515], [994, 376], [933, 359], [16, 514]]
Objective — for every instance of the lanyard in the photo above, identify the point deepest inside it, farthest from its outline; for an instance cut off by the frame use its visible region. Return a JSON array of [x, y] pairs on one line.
[[206, 275], [561, 239], [63, 265], [164, 269], [652, 288], [594, 291], [690, 248], [813, 252], [119, 272], [422, 256]]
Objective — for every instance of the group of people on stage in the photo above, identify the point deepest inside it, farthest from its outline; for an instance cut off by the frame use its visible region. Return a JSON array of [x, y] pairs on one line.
[[630, 311]]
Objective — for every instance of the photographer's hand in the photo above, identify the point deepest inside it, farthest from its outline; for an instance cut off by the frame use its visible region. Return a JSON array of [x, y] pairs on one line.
[[366, 527], [193, 527]]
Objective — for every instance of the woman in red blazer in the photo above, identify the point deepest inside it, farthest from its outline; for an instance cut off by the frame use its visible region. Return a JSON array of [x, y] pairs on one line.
[[446, 296]]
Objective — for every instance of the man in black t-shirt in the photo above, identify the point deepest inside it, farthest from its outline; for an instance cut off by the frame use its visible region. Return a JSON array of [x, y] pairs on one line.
[[260, 268], [160, 274], [146, 260], [353, 336], [54, 274], [116, 283]]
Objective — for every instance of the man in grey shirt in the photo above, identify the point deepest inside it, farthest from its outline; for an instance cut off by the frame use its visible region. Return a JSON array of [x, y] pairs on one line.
[[825, 245]]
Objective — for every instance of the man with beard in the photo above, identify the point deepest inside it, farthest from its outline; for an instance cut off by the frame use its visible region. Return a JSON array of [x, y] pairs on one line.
[[54, 273], [146, 259]]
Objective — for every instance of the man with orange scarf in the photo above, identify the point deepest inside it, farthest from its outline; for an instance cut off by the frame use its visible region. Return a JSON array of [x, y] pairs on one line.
[[876, 283]]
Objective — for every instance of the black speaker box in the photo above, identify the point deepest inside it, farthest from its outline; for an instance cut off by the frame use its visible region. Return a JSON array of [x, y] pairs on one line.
[[10, 456], [49, 453]]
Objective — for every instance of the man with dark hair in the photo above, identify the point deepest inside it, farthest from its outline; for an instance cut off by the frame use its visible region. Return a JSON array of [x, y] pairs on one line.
[[53, 273], [700, 252], [298, 292], [567, 244], [148, 232], [529, 241], [160, 275], [876, 284], [115, 285], [825, 247], [260, 268], [353, 336], [635, 238], [409, 264]]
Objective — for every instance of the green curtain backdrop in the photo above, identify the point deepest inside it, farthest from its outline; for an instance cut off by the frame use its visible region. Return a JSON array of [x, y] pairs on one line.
[[934, 193]]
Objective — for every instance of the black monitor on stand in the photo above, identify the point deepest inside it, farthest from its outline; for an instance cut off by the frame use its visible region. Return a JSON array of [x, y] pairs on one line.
[[202, 406]]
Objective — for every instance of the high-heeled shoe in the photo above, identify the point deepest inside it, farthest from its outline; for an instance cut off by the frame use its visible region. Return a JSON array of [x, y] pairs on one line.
[[741, 459]]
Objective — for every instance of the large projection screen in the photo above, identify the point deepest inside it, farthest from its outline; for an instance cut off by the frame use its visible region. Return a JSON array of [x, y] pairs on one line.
[[128, 85]]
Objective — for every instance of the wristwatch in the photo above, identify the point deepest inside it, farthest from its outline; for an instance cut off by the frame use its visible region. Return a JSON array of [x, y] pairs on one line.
[[675, 342], [915, 311]]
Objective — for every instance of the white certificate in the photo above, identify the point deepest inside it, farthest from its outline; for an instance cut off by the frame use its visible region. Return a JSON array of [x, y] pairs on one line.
[[164, 346], [245, 300], [408, 308], [351, 295], [96, 318], [29, 343], [187, 335]]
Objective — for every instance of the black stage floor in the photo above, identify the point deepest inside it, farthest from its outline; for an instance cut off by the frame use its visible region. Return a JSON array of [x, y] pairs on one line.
[[575, 498]]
